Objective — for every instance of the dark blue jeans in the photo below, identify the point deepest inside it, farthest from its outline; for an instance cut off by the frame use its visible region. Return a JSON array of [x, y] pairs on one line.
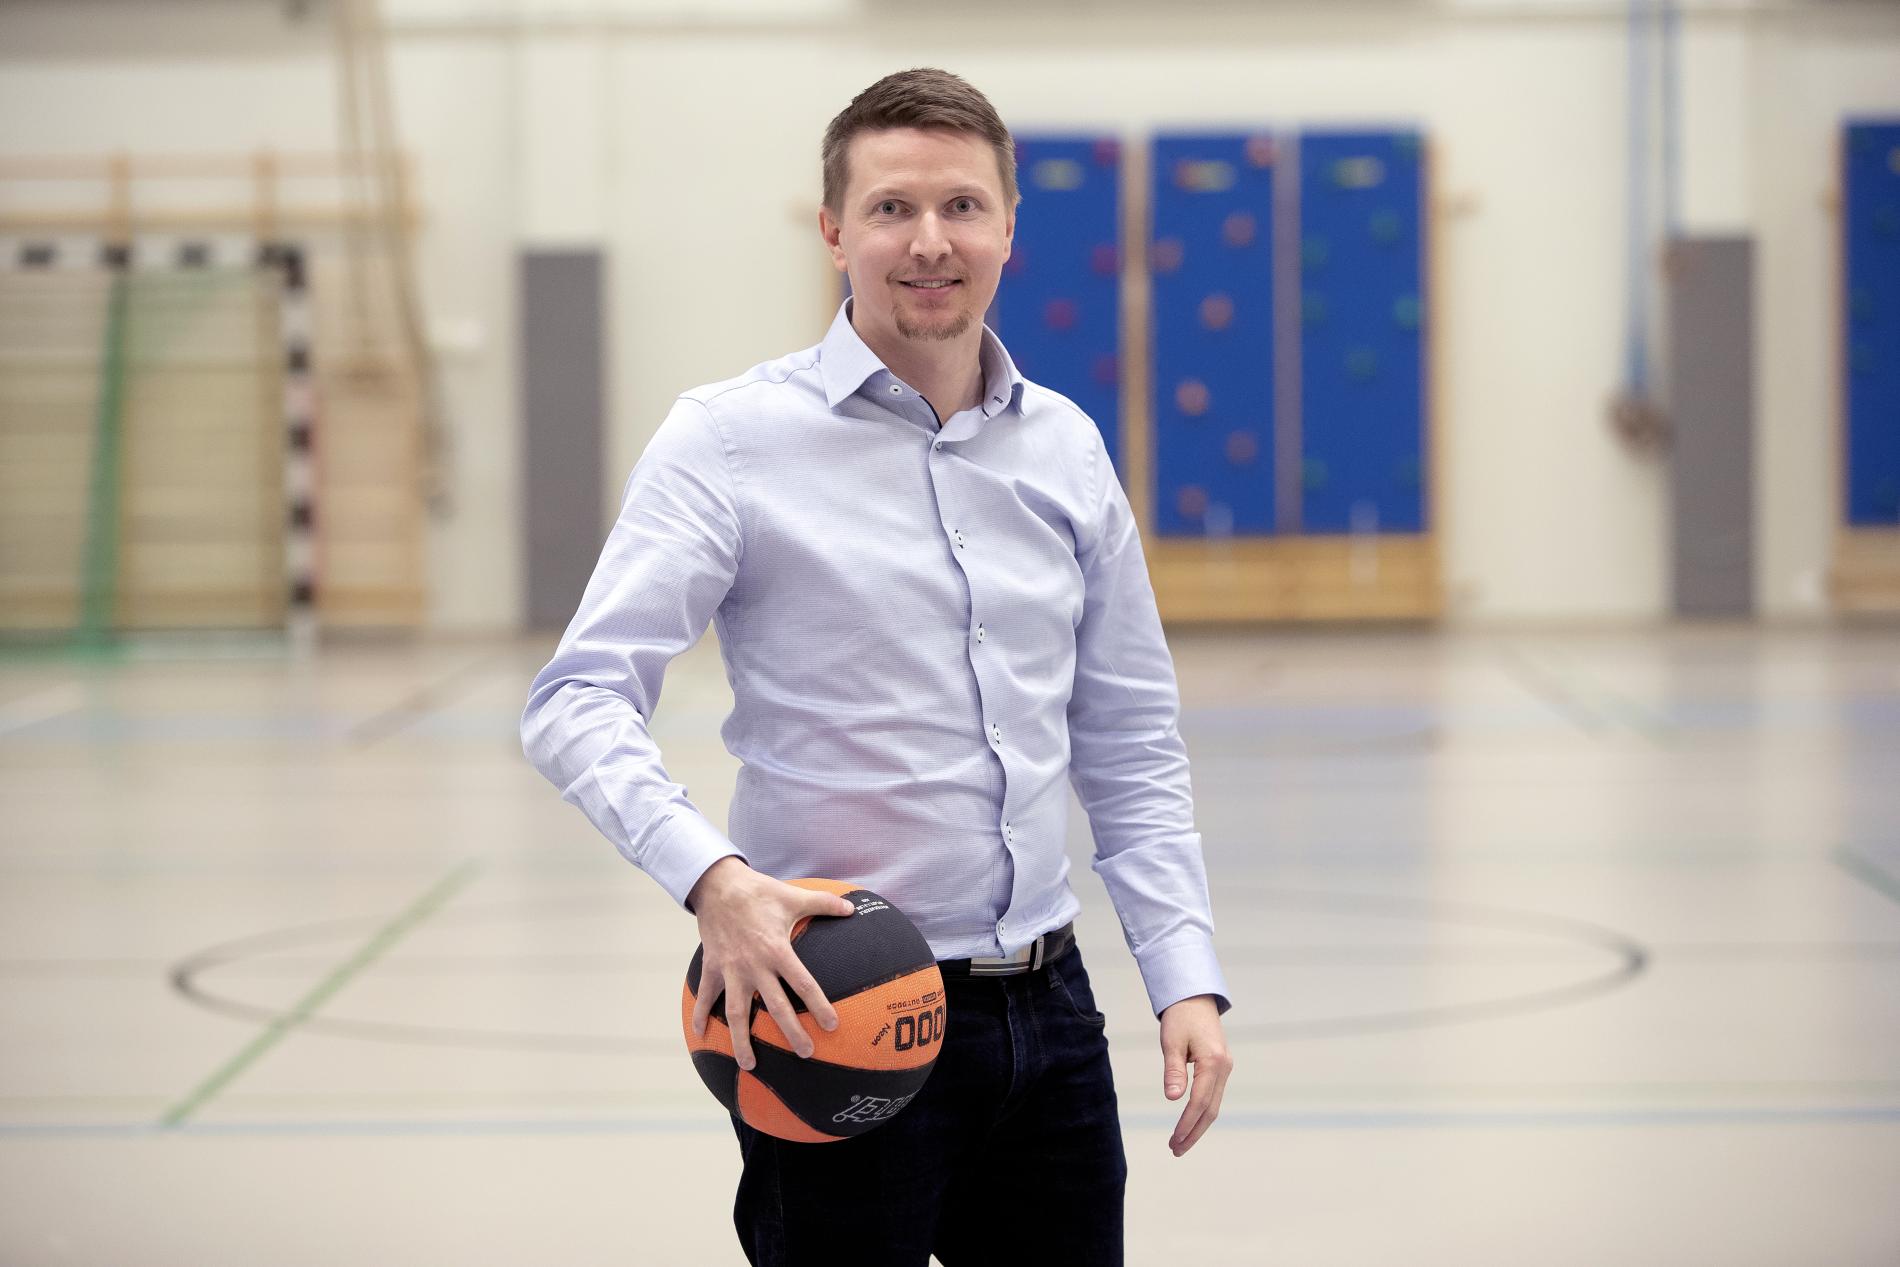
[[1011, 1153]]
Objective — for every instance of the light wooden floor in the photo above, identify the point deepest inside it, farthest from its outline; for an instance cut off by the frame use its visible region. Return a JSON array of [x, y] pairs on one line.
[[1547, 949]]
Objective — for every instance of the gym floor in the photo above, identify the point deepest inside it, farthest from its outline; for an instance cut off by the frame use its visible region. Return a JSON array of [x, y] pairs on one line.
[[1552, 948]]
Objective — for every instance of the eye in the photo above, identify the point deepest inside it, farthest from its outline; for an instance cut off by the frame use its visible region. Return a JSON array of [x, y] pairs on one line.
[[888, 207], [963, 206]]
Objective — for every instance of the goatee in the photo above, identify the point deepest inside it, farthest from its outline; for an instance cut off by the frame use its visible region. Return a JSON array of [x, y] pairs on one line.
[[934, 332]]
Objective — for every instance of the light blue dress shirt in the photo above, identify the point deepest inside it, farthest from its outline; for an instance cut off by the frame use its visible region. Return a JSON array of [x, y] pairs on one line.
[[929, 633]]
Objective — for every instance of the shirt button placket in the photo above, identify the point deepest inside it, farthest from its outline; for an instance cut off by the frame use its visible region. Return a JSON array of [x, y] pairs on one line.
[[995, 731]]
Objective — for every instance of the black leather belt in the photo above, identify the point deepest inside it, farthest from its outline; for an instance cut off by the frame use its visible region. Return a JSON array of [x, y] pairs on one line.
[[1051, 945]]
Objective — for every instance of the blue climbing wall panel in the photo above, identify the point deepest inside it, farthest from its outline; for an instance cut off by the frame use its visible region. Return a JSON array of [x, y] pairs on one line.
[[1211, 260], [1871, 197], [1059, 308], [1362, 305]]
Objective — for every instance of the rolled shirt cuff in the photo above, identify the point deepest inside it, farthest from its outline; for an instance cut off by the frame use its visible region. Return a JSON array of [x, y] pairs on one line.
[[1180, 970], [679, 851]]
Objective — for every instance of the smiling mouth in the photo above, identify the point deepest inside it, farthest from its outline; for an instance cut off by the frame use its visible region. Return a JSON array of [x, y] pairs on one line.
[[935, 283]]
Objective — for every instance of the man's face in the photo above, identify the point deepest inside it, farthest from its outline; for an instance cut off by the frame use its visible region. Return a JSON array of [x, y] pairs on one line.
[[922, 230]]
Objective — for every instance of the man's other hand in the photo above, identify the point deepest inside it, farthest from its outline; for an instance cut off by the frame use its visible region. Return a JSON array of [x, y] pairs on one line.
[[1191, 1034]]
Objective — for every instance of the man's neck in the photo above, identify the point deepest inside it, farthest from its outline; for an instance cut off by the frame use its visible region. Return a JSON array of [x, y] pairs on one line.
[[947, 373]]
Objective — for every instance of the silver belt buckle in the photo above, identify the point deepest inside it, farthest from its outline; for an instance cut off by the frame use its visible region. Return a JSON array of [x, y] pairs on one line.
[[1028, 959]]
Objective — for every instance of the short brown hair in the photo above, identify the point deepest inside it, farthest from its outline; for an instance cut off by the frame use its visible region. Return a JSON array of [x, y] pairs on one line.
[[920, 98]]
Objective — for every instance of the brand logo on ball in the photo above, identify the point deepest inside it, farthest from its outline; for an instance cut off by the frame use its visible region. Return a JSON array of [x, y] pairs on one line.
[[912, 1004], [871, 1108]]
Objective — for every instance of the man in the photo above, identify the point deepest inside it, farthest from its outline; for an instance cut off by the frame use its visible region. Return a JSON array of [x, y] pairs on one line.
[[934, 613]]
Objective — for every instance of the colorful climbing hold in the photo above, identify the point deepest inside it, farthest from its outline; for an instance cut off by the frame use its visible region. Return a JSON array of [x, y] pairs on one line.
[[1217, 311], [1190, 397]]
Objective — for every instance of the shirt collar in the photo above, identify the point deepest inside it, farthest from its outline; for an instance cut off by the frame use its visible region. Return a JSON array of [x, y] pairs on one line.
[[846, 363]]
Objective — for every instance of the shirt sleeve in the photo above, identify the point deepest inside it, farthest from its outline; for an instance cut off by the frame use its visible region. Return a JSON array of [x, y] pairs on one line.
[[1129, 766], [668, 563]]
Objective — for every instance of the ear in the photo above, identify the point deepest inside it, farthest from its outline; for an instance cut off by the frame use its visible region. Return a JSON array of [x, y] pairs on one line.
[[830, 230], [1009, 228]]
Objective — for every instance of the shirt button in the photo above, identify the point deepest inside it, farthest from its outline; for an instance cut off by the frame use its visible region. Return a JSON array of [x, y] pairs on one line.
[[996, 734], [958, 536], [896, 390], [937, 445], [979, 633]]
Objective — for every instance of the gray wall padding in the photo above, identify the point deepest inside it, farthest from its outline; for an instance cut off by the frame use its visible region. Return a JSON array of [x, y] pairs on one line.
[[563, 396], [1712, 413]]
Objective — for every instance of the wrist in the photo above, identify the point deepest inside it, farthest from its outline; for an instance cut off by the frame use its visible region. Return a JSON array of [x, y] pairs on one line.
[[713, 880]]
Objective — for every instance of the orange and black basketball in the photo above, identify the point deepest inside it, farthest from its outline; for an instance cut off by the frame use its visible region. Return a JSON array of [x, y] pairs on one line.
[[879, 973]]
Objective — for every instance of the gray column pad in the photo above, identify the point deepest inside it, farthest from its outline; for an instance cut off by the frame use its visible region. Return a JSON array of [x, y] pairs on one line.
[[1712, 411], [563, 397]]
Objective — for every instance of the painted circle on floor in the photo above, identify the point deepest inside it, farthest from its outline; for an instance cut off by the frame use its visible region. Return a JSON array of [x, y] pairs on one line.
[[1586, 961]]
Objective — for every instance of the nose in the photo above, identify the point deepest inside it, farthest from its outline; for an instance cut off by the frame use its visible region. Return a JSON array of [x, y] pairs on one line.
[[930, 242]]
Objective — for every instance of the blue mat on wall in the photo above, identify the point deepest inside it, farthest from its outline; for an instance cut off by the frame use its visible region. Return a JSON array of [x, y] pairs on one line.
[[1362, 307], [1210, 256], [1871, 360], [1059, 306]]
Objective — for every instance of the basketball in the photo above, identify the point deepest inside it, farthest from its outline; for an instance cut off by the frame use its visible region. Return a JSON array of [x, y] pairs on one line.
[[880, 975]]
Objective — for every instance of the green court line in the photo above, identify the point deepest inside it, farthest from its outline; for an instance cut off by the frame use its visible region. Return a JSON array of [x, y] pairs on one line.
[[421, 702], [1869, 873], [1583, 692], [280, 1028], [1547, 688]]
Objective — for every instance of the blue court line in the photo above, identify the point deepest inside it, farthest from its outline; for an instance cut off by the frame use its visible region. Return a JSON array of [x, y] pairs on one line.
[[1364, 723], [1291, 1120], [1534, 1119]]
